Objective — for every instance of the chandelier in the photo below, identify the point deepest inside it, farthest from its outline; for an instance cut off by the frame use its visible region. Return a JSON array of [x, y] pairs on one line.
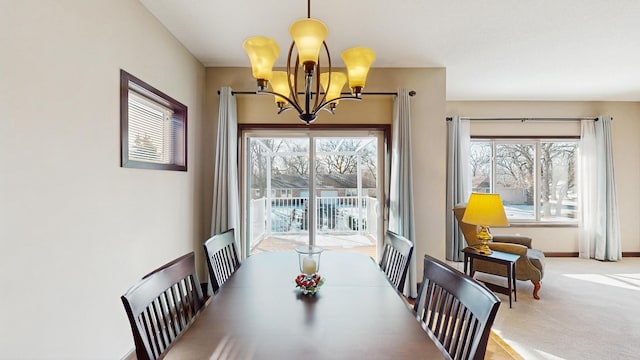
[[304, 54]]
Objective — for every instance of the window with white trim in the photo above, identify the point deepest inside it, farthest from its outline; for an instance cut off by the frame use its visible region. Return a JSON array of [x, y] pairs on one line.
[[536, 178], [153, 127]]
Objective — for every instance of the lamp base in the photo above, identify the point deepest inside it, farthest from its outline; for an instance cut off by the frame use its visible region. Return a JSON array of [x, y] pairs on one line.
[[484, 236], [483, 249]]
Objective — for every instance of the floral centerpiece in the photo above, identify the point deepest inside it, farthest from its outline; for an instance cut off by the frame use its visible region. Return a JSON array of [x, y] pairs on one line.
[[309, 284]]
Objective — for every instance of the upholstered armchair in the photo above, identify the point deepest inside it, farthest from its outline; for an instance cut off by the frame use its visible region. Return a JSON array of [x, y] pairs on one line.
[[530, 265]]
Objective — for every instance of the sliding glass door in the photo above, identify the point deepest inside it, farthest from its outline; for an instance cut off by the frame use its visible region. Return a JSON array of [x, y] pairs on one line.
[[312, 187]]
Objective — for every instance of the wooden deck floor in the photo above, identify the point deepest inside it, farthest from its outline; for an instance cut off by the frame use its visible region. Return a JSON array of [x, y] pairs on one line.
[[354, 243]]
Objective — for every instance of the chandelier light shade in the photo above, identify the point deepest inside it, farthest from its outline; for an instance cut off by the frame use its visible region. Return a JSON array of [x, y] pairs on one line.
[[308, 36], [485, 210], [358, 60], [262, 53], [334, 91], [305, 53], [280, 84]]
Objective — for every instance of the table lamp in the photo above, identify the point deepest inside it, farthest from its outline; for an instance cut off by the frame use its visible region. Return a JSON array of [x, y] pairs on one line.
[[485, 210]]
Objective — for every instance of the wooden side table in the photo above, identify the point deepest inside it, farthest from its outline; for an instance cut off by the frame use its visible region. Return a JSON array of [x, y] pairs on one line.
[[498, 257]]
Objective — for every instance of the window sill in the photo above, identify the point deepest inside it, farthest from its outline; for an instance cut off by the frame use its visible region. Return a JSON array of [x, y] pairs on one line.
[[542, 225]]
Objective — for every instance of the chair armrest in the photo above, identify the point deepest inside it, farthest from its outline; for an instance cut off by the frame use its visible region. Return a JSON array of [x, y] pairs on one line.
[[515, 249], [513, 239]]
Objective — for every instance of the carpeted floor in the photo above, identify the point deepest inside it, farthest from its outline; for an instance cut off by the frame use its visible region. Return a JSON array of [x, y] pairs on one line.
[[588, 310]]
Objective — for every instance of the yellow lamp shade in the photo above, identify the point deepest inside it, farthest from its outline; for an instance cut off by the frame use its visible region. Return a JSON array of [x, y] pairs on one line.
[[485, 210], [280, 84], [338, 80], [308, 35], [358, 60], [262, 52]]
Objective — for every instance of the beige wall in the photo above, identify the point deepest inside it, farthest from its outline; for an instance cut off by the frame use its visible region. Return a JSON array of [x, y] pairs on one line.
[[626, 148], [428, 130], [76, 229]]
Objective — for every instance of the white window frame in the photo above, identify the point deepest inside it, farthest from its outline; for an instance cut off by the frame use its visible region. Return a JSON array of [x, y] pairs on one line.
[[494, 141], [379, 132]]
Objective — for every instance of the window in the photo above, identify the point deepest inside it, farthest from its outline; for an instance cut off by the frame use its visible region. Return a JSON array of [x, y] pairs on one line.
[[153, 127], [350, 192], [536, 178], [282, 169], [286, 193]]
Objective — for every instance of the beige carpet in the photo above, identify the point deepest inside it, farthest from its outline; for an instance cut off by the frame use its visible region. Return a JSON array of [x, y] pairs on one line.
[[588, 310]]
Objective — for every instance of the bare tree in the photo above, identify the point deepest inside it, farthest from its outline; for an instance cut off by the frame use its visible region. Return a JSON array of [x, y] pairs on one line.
[[546, 167], [290, 156], [557, 175], [258, 159], [480, 158], [341, 156], [297, 164], [515, 167], [369, 161]]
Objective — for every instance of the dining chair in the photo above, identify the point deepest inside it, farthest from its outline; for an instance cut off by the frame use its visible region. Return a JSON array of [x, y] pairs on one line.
[[396, 257], [222, 258], [458, 310], [162, 305], [165, 266], [203, 286]]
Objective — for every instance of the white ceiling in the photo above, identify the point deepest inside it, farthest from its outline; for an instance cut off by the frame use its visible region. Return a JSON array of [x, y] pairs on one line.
[[492, 49]]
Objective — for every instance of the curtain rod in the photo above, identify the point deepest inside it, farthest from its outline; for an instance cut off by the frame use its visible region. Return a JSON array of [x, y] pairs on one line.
[[523, 119], [411, 93]]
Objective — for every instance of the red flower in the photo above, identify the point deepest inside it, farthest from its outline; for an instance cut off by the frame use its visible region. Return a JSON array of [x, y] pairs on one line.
[[309, 284]]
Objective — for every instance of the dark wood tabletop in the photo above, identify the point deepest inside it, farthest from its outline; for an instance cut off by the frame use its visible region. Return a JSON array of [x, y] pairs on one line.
[[259, 314]]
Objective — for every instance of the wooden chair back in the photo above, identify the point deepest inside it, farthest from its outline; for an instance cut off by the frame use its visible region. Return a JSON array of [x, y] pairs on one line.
[[457, 309], [222, 258], [162, 305], [396, 257]]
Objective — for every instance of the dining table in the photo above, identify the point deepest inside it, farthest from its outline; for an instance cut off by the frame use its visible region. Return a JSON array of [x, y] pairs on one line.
[[260, 314]]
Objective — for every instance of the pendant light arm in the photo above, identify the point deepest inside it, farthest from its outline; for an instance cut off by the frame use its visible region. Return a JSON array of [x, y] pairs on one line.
[[293, 87], [298, 108], [286, 99], [320, 100], [324, 105]]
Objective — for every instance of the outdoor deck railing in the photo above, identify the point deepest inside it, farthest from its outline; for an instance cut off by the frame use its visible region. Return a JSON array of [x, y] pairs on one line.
[[335, 215]]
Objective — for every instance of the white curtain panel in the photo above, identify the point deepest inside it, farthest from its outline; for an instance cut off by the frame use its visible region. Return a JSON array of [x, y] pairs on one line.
[[401, 183], [225, 213], [599, 236], [458, 182]]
